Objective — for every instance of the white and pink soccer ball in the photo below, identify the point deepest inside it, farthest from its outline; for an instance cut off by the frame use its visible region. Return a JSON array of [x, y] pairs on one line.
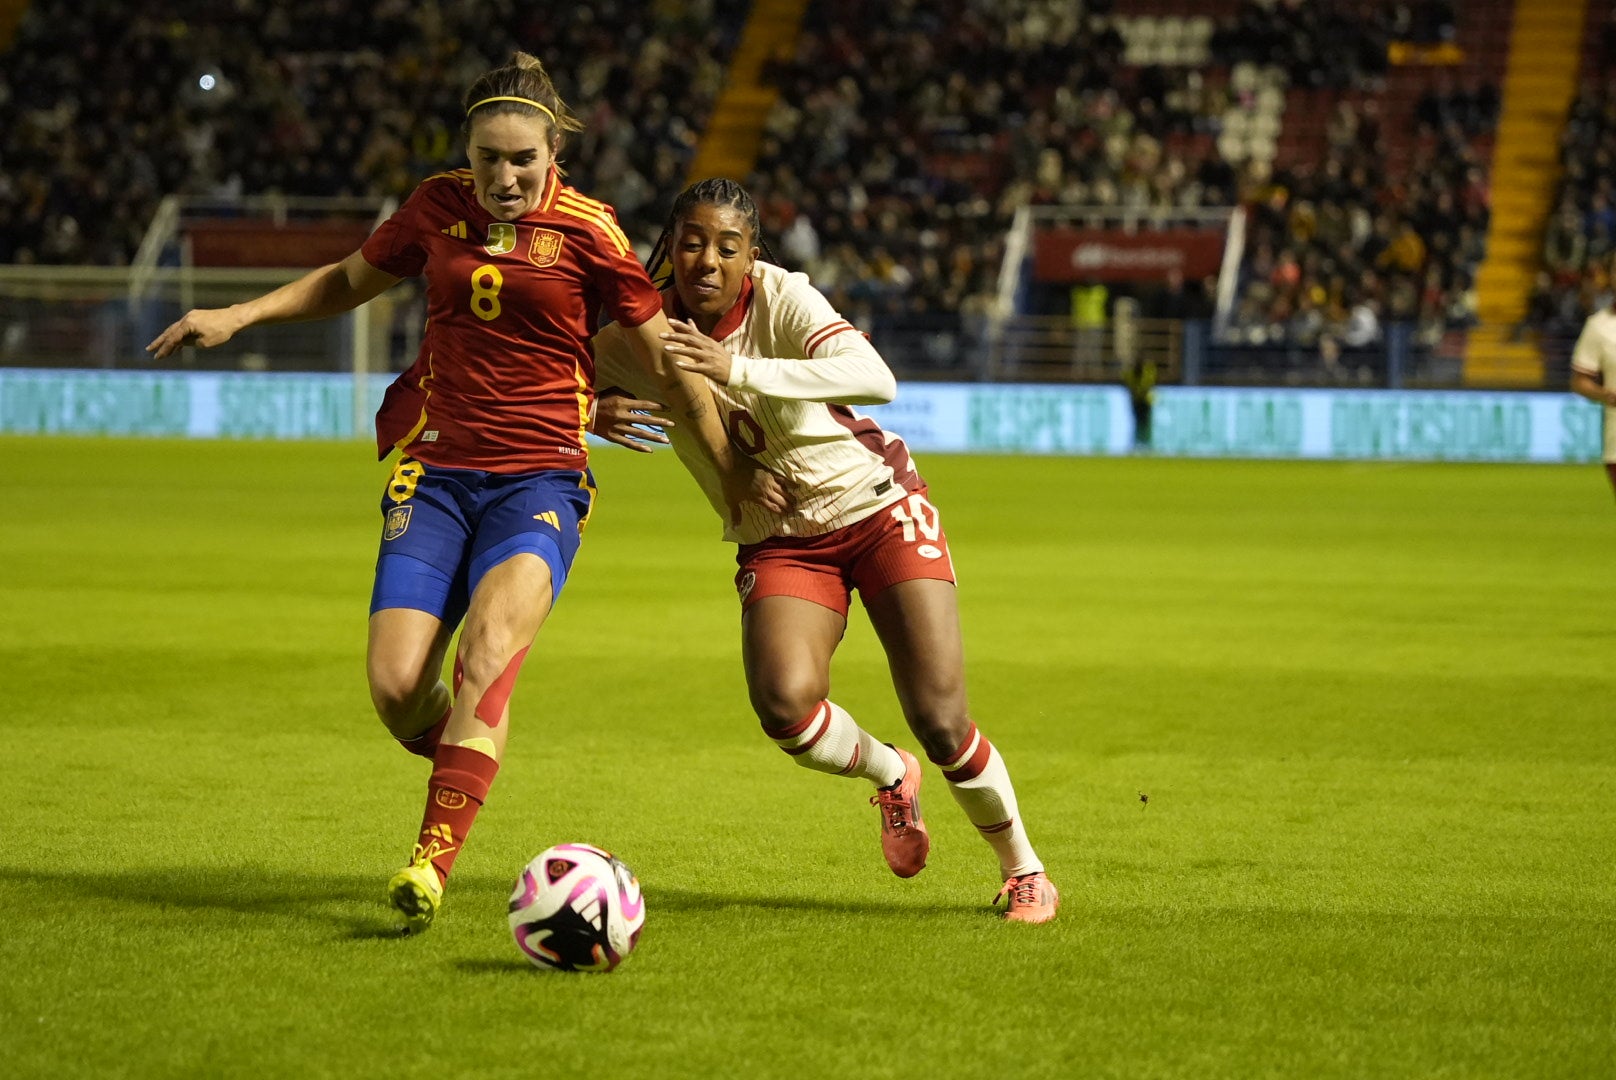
[[576, 908]]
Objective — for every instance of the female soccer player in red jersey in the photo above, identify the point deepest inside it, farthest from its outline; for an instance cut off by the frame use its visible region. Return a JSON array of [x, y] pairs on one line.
[[483, 512], [784, 366]]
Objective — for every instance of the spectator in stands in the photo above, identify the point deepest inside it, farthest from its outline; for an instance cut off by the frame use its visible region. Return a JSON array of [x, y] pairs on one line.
[[1088, 313], [1363, 324], [1565, 247], [1549, 309]]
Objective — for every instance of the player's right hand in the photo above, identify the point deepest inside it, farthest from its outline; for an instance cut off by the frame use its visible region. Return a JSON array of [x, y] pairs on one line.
[[205, 327]]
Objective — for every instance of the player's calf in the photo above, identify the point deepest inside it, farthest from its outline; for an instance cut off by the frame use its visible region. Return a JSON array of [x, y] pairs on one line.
[[829, 740], [980, 783], [461, 777]]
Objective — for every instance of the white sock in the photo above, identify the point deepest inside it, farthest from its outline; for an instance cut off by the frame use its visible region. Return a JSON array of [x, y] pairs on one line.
[[829, 740], [981, 785]]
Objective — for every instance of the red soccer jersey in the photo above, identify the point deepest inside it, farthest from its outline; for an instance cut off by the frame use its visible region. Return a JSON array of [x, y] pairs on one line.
[[506, 372]]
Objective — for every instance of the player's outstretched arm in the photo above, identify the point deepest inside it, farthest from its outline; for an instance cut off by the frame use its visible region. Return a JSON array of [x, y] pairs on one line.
[[689, 399], [330, 290]]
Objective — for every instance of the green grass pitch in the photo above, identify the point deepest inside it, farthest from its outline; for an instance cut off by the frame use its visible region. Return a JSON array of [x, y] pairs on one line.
[[1370, 706]]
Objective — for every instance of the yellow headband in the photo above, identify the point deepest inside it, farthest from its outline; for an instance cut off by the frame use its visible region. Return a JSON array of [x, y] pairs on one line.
[[545, 109]]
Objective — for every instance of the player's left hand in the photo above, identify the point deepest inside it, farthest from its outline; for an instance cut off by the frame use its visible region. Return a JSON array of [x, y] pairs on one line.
[[694, 351], [628, 421], [203, 327], [752, 483]]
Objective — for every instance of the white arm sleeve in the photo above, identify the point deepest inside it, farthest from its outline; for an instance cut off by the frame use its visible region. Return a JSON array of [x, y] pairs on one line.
[[831, 360]]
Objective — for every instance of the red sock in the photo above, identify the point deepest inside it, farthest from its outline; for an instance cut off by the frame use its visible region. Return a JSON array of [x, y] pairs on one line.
[[426, 744], [459, 784]]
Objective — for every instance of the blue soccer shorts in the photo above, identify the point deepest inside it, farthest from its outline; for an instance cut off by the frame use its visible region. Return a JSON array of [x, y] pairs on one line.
[[443, 529]]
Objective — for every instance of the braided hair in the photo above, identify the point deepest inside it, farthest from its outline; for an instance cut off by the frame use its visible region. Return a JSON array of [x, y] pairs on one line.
[[714, 191]]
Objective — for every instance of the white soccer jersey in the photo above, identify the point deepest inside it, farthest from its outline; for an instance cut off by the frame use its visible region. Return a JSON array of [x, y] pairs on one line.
[[797, 367], [1595, 355]]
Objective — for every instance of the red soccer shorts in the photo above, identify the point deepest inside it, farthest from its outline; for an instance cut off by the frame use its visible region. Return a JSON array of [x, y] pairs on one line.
[[901, 542]]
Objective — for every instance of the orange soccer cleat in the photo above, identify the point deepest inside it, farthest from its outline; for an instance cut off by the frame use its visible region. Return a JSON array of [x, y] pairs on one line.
[[904, 840], [1033, 898]]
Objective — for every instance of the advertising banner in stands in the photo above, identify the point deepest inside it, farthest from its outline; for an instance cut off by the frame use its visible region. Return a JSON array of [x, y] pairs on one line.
[[1071, 255], [1369, 425], [1364, 425], [204, 405]]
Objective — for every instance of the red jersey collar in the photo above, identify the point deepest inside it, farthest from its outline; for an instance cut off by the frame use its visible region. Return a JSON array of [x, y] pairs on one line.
[[552, 188], [674, 308]]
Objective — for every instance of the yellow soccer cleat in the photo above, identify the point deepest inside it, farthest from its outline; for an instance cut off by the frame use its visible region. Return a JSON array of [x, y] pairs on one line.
[[415, 893]]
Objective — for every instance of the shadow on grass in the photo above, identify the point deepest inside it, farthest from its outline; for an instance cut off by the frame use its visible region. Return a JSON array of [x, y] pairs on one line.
[[488, 966], [352, 903], [662, 898]]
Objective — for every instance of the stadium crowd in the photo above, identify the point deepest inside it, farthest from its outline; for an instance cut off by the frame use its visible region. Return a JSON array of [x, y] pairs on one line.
[[1579, 237], [108, 106], [1335, 251], [904, 139]]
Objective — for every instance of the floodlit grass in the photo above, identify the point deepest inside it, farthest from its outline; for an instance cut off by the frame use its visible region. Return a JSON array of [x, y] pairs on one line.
[[1370, 706]]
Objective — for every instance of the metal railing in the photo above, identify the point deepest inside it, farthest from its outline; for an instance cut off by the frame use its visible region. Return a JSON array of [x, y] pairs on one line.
[[84, 317]]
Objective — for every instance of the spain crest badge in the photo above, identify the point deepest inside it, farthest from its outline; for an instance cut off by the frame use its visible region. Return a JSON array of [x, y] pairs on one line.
[[398, 519], [546, 247]]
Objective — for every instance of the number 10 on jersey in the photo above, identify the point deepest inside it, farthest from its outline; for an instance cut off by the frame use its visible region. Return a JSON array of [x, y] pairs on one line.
[[918, 518]]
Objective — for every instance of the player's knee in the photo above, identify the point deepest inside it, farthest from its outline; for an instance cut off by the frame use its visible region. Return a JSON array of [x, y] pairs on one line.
[[399, 698], [479, 665], [489, 675], [475, 670], [940, 726], [783, 700]]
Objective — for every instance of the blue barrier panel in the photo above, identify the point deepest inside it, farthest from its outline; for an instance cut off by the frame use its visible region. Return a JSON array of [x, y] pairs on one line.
[[209, 404], [955, 417]]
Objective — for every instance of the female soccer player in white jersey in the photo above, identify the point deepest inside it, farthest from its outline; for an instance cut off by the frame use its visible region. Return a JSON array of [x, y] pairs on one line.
[[784, 367], [1593, 374]]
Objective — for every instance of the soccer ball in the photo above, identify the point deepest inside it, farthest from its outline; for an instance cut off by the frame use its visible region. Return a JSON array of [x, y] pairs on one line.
[[576, 908]]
